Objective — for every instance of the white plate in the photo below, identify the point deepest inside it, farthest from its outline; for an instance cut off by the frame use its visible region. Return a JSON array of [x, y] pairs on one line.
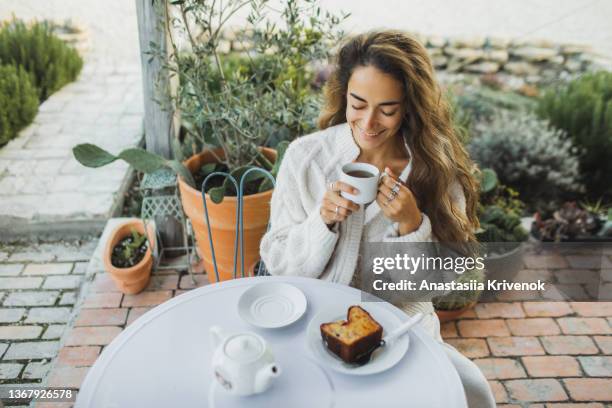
[[271, 305], [382, 359]]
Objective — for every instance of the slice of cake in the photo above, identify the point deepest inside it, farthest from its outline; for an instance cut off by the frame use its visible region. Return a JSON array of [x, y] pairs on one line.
[[350, 339]]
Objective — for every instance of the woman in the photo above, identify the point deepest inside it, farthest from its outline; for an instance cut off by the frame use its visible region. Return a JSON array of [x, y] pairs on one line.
[[383, 107]]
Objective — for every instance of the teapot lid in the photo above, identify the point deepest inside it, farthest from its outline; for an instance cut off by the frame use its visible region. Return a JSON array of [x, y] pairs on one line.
[[244, 347]]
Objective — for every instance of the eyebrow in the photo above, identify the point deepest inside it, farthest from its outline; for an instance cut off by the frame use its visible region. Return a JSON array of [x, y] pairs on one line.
[[388, 103]]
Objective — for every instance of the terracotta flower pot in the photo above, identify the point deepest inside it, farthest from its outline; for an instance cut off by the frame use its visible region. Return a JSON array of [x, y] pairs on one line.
[[450, 315], [134, 279], [256, 213]]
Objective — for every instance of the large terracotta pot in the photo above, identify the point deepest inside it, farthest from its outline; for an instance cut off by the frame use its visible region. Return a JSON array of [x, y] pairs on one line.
[[134, 279], [256, 213]]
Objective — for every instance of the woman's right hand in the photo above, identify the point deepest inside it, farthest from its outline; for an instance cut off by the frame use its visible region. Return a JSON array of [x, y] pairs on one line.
[[334, 207]]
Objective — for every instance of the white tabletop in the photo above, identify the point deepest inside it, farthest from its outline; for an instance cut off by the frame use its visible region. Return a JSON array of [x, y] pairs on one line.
[[163, 359]]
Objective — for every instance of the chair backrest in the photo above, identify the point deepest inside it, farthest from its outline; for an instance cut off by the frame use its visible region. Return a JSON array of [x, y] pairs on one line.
[[239, 218]]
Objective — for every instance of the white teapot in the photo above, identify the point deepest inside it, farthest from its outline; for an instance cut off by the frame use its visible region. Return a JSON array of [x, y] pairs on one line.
[[242, 363]]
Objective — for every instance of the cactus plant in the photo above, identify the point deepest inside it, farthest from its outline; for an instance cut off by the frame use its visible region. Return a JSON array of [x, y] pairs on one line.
[[90, 155]]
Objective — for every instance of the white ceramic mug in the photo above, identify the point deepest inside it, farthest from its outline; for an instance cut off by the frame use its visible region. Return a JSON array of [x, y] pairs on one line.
[[367, 186]]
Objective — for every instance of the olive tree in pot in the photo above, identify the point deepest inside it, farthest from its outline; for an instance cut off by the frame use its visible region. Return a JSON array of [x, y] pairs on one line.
[[234, 107]]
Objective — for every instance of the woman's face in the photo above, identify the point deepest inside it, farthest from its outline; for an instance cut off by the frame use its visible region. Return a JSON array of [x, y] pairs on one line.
[[374, 108]]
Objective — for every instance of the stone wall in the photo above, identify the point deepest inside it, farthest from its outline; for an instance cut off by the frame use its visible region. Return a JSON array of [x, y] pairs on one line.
[[533, 60], [517, 62]]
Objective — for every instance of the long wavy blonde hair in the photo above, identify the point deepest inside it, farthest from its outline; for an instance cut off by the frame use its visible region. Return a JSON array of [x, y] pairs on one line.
[[438, 157]]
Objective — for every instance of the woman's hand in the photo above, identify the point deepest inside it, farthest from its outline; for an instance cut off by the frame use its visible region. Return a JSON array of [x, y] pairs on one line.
[[398, 203], [334, 207]]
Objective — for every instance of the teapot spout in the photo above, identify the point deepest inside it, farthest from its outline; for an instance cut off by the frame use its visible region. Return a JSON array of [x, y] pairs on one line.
[[265, 376]]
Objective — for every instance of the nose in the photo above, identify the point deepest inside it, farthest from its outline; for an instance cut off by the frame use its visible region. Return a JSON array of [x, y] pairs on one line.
[[369, 120]]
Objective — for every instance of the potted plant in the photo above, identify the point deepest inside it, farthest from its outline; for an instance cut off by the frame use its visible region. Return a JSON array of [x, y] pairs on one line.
[[501, 232], [234, 109], [127, 256], [574, 222], [452, 305]]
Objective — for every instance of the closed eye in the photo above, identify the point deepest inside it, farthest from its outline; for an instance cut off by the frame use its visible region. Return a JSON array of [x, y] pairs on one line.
[[390, 113], [357, 107]]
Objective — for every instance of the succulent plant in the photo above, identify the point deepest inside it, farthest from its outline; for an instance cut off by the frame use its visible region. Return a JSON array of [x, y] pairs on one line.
[[460, 298], [567, 223], [499, 211]]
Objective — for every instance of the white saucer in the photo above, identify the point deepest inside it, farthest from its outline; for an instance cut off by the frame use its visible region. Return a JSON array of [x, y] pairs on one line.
[[382, 359], [271, 305]]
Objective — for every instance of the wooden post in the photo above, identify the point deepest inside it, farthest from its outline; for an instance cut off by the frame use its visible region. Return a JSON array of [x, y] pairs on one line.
[[160, 125]]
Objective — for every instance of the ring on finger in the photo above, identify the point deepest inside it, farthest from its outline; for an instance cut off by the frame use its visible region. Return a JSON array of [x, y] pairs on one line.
[[336, 210], [395, 189], [331, 186], [389, 199]]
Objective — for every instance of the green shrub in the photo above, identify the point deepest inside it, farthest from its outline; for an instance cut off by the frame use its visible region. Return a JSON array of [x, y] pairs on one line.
[[480, 104], [50, 63], [18, 101], [528, 156], [583, 108]]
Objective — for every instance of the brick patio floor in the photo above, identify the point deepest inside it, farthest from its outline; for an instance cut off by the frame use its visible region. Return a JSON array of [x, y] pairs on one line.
[[39, 287], [536, 354]]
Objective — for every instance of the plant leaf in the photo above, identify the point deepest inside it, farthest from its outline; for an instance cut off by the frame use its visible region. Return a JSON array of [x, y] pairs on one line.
[[90, 155], [488, 180], [281, 148], [182, 171], [177, 149], [208, 168], [142, 160], [265, 185], [217, 194]]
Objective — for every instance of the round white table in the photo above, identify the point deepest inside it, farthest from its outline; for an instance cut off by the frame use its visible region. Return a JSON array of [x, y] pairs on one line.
[[163, 359]]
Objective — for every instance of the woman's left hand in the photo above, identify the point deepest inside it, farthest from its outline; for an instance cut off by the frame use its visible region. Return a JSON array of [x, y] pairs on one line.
[[398, 203]]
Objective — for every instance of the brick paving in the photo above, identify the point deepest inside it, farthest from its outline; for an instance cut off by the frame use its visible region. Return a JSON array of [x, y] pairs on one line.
[[534, 354], [33, 313]]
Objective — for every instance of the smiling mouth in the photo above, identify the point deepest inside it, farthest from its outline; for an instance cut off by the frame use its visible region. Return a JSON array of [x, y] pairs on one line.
[[370, 134]]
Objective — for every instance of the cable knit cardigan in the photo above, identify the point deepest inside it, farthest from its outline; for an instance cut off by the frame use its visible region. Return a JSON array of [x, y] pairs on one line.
[[299, 242]]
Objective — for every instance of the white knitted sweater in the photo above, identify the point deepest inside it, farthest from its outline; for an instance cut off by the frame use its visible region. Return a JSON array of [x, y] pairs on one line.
[[299, 242]]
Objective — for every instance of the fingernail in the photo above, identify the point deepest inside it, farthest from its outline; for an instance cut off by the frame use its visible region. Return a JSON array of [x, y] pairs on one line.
[[355, 191]]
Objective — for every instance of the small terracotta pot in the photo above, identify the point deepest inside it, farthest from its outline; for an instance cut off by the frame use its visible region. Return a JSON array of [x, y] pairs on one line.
[[134, 279], [256, 214], [450, 315]]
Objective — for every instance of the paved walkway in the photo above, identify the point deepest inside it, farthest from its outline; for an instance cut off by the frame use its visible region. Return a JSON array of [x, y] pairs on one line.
[[43, 190]]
